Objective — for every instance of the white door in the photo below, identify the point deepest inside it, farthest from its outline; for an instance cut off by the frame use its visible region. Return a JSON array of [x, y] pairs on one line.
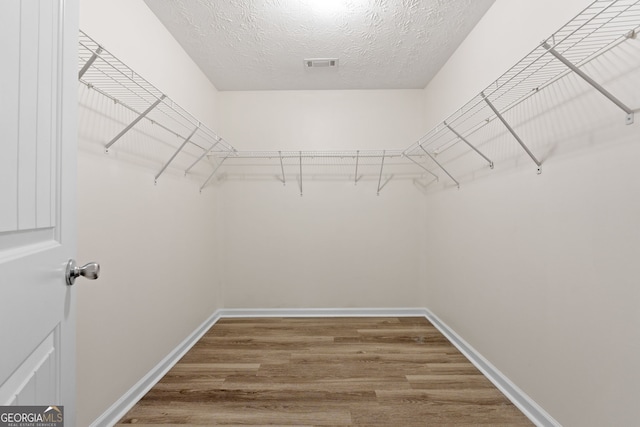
[[38, 103]]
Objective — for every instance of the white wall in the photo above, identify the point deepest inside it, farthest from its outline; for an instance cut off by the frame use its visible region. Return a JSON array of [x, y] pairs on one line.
[[156, 244], [539, 273], [339, 245], [536, 272]]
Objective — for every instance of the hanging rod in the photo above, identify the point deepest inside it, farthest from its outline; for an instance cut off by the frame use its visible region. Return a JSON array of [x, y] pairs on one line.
[[597, 29]]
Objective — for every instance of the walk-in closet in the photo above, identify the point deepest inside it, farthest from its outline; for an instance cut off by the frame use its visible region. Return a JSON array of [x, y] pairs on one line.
[[322, 212]]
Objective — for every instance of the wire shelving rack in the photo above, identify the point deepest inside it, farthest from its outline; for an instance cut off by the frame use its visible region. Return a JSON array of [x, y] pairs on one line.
[[601, 26], [102, 72]]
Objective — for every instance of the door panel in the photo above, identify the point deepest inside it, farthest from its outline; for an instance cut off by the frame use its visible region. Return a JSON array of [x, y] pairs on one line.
[[36, 378], [29, 90], [38, 87], [9, 77]]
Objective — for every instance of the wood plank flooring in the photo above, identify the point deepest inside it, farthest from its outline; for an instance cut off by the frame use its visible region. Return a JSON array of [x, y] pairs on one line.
[[324, 372]]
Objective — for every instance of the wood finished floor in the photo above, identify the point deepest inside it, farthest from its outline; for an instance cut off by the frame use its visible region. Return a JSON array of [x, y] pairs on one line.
[[324, 372]]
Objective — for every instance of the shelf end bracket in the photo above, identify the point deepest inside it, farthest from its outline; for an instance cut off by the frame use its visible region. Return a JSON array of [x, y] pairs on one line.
[[300, 173], [381, 167], [440, 166], [155, 179], [90, 62], [355, 182], [511, 131], [133, 123], [408, 156], [284, 181], [213, 173], [593, 83], [463, 139], [204, 153]]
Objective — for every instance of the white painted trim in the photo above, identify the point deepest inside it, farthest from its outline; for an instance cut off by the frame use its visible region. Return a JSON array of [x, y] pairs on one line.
[[135, 393], [519, 398], [322, 312]]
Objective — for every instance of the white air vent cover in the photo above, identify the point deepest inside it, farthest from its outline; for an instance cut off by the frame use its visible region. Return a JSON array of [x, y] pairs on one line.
[[321, 62]]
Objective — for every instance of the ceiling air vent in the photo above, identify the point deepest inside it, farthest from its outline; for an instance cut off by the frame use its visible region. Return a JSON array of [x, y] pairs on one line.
[[321, 62]]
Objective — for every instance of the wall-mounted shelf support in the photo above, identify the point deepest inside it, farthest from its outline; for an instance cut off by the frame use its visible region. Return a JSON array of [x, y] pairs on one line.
[[284, 182], [439, 165], [602, 26], [204, 153], [463, 139], [186, 141], [599, 28], [90, 62], [511, 131], [381, 167], [593, 83], [133, 123], [213, 173], [423, 167], [186, 136], [300, 173], [355, 181]]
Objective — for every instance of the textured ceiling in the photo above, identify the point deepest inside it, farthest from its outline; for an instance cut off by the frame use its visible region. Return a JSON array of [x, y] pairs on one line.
[[261, 44]]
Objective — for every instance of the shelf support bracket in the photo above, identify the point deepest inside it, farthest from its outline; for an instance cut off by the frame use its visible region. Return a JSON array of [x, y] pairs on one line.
[[89, 62], [300, 173], [284, 182], [422, 167], [214, 172], [593, 83], [439, 165], [463, 139], [155, 180], [202, 155], [381, 167], [133, 123], [512, 132], [355, 181]]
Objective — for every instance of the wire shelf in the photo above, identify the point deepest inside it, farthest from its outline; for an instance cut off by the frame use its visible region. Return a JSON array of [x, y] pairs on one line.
[[354, 165], [102, 72], [598, 28], [347, 154]]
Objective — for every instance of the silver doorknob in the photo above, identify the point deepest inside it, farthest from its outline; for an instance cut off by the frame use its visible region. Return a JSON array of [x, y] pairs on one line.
[[91, 271]]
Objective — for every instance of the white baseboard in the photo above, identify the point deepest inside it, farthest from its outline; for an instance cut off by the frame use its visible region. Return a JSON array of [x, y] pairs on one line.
[[322, 312], [519, 398], [135, 393]]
